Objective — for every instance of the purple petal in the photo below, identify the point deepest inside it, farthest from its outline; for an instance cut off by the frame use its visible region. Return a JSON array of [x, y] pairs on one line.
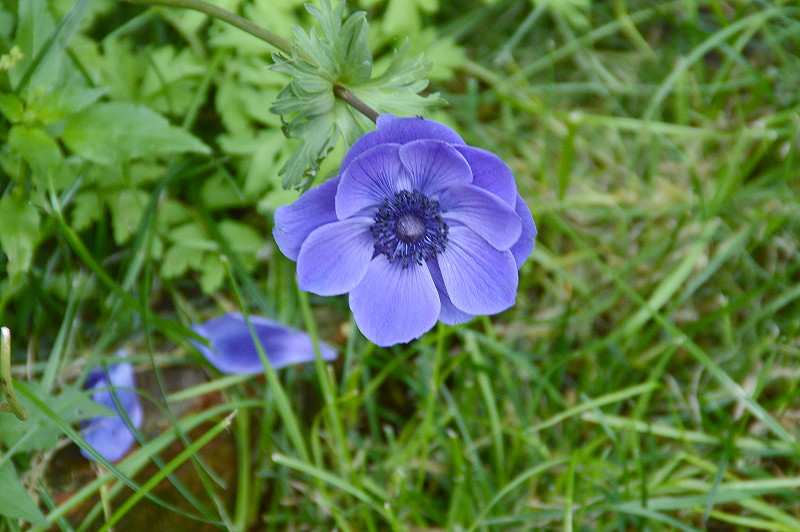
[[110, 435], [483, 212], [479, 278], [449, 314], [400, 131], [231, 349], [293, 223], [393, 304], [433, 165], [491, 173], [371, 178], [334, 258], [524, 246]]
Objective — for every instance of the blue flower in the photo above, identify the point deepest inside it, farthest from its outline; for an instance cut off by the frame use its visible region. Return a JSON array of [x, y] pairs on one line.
[[231, 348], [417, 227], [110, 435]]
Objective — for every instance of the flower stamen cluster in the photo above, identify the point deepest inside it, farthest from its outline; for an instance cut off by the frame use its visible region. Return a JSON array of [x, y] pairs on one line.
[[409, 228]]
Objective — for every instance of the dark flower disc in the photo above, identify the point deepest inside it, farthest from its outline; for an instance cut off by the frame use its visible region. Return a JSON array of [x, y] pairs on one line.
[[409, 228]]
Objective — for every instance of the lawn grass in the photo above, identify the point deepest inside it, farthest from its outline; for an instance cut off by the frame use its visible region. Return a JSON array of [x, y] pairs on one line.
[[648, 377]]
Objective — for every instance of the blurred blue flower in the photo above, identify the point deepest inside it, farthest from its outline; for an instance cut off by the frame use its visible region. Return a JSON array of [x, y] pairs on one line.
[[110, 435], [418, 227], [231, 348]]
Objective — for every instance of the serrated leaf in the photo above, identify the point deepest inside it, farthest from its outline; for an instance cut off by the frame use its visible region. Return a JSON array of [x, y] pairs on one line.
[[213, 273], [338, 55], [48, 107], [112, 133], [127, 207], [86, 210], [192, 236], [15, 502], [241, 237], [19, 232], [317, 138], [178, 259], [170, 83], [396, 89]]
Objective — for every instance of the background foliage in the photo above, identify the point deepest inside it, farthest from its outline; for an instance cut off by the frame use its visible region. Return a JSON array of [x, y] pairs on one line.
[[647, 378]]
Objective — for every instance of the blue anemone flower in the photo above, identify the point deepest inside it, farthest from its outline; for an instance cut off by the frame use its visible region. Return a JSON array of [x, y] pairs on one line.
[[231, 349], [110, 435], [417, 227]]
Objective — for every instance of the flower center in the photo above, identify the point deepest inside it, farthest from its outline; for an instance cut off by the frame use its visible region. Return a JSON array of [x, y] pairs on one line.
[[409, 228]]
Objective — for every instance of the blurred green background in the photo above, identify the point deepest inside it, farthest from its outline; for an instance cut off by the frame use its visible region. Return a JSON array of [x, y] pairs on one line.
[[647, 378]]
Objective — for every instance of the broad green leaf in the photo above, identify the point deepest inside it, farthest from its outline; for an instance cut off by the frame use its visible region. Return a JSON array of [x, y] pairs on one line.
[[15, 502], [127, 207], [178, 259], [403, 17], [19, 232], [11, 107], [241, 237], [213, 273], [36, 25], [111, 133], [87, 208], [36, 147], [171, 79], [191, 235], [48, 107]]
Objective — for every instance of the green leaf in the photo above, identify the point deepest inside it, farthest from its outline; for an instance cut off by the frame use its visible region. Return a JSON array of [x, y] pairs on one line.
[[48, 107], [11, 107], [19, 232], [403, 17], [15, 502], [127, 207], [241, 237], [397, 89], [338, 55], [38, 432], [213, 274], [111, 133], [317, 138], [189, 246], [178, 259], [87, 208], [36, 147]]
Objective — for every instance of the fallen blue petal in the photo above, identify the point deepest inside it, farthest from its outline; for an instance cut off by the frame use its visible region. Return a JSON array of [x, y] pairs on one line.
[[231, 349], [110, 435]]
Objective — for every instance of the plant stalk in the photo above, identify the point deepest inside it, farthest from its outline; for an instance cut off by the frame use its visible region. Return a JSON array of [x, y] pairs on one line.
[[264, 34], [6, 382]]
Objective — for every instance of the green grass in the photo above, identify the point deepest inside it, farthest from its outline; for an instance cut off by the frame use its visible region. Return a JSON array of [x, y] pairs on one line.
[[648, 377]]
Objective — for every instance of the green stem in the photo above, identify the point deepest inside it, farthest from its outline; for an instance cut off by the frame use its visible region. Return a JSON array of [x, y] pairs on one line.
[[348, 97], [6, 381], [231, 18], [265, 35]]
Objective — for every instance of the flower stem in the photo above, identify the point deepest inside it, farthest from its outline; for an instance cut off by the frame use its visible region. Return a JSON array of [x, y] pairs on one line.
[[265, 35], [6, 382], [231, 18], [346, 96]]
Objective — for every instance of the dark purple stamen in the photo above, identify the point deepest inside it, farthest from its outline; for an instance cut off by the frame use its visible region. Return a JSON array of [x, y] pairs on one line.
[[409, 228]]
